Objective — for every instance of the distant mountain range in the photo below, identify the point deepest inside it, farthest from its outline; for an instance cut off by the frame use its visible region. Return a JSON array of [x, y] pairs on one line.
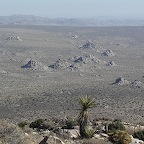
[[99, 21]]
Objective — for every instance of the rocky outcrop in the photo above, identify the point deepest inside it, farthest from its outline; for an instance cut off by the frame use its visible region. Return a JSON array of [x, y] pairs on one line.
[[121, 81], [137, 84], [108, 53], [111, 63], [13, 38], [75, 62], [60, 64], [88, 45], [34, 65]]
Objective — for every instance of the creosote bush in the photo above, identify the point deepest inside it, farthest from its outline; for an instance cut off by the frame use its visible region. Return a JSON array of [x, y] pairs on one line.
[[42, 124], [37, 124], [120, 137], [139, 135], [69, 124], [115, 125], [22, 124]]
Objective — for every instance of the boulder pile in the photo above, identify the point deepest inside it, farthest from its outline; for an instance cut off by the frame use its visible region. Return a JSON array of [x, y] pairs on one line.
[[88, 45], [108, 53], [121, 81], [111, 63], [137, 84], [34, 65], [14, 38], [75, 62]]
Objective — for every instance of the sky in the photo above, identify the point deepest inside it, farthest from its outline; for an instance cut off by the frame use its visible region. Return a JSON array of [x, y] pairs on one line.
[[73, 8]]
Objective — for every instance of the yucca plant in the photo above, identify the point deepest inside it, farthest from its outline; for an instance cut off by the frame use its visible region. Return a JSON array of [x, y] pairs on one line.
[[89, 132], [86, 103]]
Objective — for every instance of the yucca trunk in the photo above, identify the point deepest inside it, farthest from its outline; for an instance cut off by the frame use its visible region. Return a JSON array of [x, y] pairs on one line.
[[83, 122]]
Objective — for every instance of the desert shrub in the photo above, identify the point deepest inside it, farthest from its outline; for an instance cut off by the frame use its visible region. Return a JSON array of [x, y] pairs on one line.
[[43, 124], [89, 132], [69, 124], [139, 135], [120, 137], [22, 124], [115, 125], [37, 124]]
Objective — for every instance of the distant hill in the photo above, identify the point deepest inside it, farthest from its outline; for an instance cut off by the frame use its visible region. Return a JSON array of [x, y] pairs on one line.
[[99, 21]]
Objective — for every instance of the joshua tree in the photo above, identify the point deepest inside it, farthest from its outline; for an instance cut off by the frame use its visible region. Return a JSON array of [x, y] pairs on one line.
[[86, 103]]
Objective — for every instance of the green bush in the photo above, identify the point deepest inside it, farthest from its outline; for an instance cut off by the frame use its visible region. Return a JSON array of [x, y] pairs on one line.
[[120, 137], [139, 135], [37, 124], [115, 125], [22, 124]]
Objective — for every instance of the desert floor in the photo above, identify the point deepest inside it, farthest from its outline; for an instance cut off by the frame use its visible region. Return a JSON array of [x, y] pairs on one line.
[[45, 69]]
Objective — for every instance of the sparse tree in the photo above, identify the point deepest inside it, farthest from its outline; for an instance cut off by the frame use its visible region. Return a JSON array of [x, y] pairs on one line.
[[86, 103]]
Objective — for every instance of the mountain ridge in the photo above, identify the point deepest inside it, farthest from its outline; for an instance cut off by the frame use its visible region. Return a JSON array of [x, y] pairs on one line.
[[99, 21]]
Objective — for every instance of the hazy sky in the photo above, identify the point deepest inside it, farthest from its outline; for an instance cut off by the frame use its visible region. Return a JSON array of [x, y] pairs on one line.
[[73, 8]]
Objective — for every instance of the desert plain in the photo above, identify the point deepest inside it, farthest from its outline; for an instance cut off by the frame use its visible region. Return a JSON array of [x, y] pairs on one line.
[[44, 70]]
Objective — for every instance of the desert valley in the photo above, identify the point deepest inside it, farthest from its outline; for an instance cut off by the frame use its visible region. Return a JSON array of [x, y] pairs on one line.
[[45, 69]]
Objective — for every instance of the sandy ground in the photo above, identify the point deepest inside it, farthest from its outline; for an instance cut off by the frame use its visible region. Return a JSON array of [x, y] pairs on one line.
[[32, 90]]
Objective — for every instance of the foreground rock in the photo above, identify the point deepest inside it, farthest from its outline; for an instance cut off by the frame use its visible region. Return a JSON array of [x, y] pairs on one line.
[[136, 141], [51, 140], [12, 134]]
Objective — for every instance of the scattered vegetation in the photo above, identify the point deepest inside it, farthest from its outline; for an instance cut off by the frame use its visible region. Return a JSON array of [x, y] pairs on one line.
[[139, 135], [120, 137], [115, 129]]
